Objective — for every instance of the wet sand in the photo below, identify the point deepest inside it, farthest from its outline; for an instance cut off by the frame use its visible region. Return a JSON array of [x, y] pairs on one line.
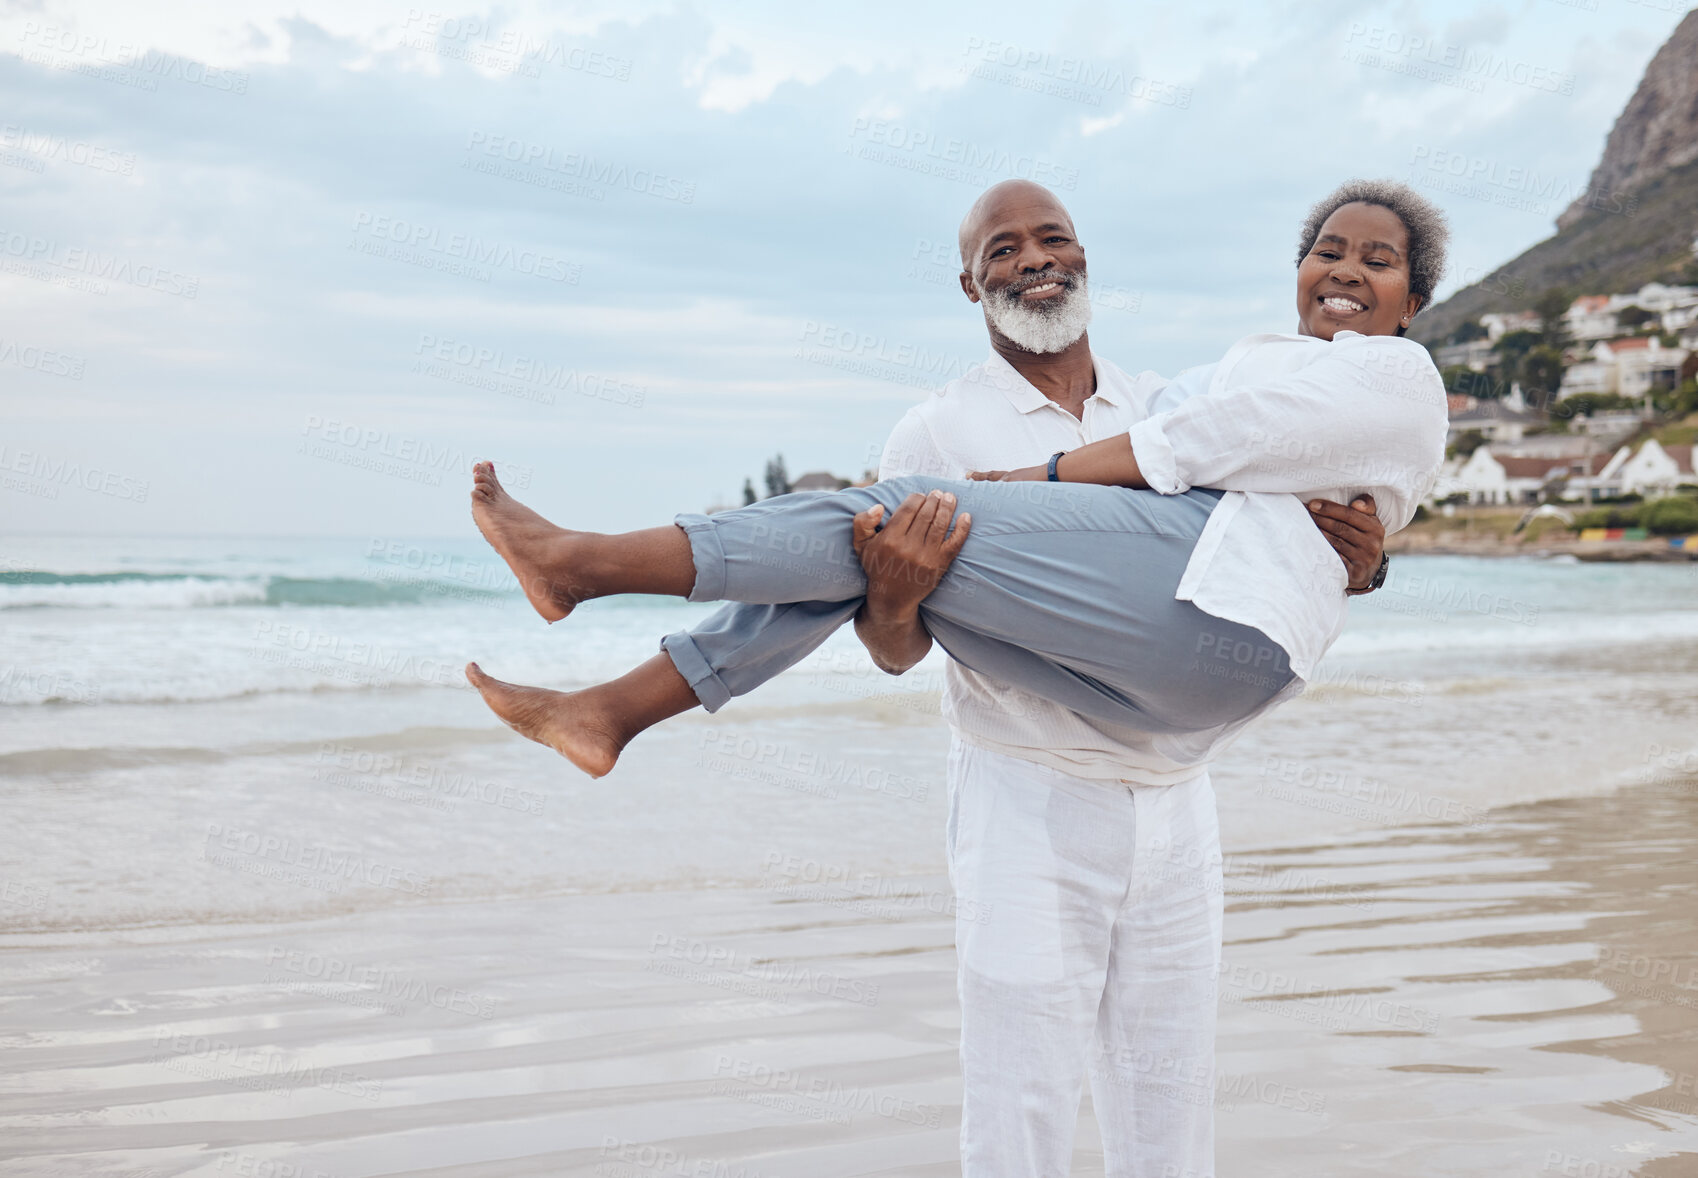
[[1514, 996]]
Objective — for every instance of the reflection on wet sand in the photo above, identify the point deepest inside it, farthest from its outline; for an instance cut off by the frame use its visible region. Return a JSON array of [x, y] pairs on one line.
[[1514, 997], [1518, 996]]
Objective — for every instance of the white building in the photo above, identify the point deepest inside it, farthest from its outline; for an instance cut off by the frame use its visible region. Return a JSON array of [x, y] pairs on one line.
[[1506, 419], [1590, 317], [1657, 298], [1490, 476], [1643, 363], [1500, 323], [1476, 354], [1657, 470], [1630, 367]]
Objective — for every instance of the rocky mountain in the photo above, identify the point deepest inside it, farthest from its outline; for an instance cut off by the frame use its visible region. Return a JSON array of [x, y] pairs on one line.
[[1657, 131], [1638, 219]]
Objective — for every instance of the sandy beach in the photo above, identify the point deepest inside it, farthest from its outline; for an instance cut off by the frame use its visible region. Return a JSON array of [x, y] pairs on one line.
[[279, 899], [1518, 996]]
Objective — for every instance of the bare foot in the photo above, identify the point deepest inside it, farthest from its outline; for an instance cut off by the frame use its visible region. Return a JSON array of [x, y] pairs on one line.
[[533, 548], [563, 720]]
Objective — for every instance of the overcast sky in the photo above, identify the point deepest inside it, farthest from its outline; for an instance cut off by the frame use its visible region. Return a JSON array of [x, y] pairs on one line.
[[287, 268]]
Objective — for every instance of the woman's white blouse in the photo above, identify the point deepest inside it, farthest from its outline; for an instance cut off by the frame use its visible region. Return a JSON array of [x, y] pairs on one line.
[[1278, 421]]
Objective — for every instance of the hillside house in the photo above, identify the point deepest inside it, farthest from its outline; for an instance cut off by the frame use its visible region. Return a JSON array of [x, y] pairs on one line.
[[1657, 470]]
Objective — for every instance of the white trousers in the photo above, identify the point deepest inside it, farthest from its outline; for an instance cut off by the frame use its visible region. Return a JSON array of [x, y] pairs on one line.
[[1088, 932]]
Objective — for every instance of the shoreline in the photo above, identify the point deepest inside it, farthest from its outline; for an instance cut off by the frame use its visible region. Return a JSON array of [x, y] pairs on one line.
[[1456, 543]]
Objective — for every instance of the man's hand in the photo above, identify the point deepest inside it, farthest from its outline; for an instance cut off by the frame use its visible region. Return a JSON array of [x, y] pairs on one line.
[[1355, 533], [904, 562]]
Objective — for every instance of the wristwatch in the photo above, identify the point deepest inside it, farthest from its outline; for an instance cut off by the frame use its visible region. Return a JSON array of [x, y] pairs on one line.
[[1378, 579], [1053, 460]]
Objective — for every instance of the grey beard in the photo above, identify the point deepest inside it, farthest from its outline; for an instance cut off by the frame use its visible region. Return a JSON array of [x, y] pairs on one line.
[[1051, 326]]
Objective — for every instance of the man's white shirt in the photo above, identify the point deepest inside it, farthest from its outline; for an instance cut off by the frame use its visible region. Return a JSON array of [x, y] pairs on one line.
[[1260, 560], [992, 418]]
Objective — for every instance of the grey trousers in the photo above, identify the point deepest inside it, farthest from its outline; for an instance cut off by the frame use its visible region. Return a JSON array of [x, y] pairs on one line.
[[1062, 589]]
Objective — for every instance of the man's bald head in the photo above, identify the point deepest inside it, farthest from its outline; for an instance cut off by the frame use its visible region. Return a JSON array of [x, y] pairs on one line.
[[1009, 200]]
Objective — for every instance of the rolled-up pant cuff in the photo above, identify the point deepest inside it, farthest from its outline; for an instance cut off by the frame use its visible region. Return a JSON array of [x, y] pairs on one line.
[[709, 557], [710, 689]]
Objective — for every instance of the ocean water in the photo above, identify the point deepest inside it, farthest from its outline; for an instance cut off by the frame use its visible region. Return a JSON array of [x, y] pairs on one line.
[[200, 730]]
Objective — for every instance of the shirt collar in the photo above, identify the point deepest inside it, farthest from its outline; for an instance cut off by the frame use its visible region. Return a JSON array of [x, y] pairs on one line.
[[1027, 398]]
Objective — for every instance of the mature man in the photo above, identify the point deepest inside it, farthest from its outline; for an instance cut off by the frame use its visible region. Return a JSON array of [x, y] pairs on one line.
[[1092, 852]]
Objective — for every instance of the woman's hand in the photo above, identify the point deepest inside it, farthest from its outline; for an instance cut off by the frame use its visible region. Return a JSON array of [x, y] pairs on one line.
[[1356, 534], [1026, 474]]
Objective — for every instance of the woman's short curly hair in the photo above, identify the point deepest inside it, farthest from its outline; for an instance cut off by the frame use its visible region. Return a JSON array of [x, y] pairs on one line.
[[1428, 231]]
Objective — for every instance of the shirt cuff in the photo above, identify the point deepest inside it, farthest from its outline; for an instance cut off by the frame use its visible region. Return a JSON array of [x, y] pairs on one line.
[[1155, 458]]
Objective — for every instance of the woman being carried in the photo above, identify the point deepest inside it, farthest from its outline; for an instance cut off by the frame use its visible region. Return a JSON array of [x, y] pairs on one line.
[[1169, 579]]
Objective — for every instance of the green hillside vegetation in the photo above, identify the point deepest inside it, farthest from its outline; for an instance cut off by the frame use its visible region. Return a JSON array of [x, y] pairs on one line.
[[1602, 253]]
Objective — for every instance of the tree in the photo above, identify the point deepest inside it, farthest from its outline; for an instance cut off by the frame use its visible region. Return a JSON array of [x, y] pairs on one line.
[[1678, 403], [1633, 318], [1464, 381], [1586, 404], [1540, 373], [1468, 333], [1550, 307], [777, 477], [1468, 441], [1513, 345], [749, 495]]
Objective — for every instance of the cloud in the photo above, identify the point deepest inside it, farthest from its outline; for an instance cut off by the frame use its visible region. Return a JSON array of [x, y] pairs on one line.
[[239, 217]]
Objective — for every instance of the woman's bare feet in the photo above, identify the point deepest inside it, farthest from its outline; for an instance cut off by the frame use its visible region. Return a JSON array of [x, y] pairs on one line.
[[538, 552], [566, 721]]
